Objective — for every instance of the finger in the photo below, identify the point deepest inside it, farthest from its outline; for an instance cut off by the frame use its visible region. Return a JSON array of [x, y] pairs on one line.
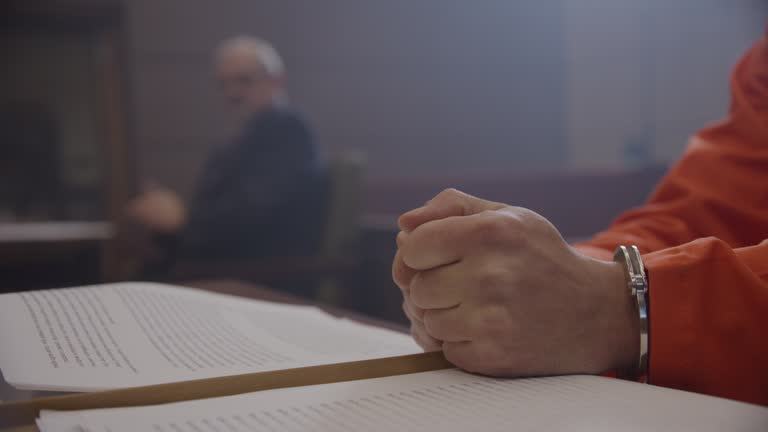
[[469, 356], [439, 242], [425, 341], [448, 325], [447, 203], [401, 273], [435, 244], [439, 288], [412, 312], [400, 238]]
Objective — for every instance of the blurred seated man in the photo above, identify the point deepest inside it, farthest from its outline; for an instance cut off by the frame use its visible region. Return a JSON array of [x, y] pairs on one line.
[[261, 194], [500, 292]]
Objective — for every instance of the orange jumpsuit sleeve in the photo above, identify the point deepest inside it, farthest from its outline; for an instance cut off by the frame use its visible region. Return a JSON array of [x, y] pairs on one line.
[[702, 234]]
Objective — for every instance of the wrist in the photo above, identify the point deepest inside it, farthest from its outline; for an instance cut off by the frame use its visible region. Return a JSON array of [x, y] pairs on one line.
[[615, 342], [627, 349], [637, 286]]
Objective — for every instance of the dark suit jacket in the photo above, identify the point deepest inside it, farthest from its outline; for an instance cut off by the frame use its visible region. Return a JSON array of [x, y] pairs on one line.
[[261, 195]]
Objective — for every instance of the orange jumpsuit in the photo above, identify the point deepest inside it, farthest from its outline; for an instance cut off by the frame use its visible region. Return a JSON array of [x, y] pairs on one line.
[[703, 237]]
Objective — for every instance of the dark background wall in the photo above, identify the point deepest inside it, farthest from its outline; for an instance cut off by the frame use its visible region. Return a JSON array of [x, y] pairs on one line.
[[442, 88], [422, 87]]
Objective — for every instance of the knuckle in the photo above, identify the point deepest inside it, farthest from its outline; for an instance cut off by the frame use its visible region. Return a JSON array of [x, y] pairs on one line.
[[488, 277], [400, 273], [396, 270], [470, 358], [528, 222], [493, 227], [416, 313], [424, 340], [406, 310], [449, 193], [457, 355], [432, 325], [494, 321], [512, 227], [419, 290], [496, 283], [415, 331], [416, 335], [450, 198], [486, 229]]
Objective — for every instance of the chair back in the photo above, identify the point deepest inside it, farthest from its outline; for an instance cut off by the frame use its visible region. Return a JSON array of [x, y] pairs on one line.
[[341, 240]]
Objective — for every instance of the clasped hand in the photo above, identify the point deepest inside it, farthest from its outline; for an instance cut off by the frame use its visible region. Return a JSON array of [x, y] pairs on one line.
[[501, 293]]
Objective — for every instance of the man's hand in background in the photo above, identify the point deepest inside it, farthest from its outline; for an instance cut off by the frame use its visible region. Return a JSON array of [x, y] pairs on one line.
[[498, 289], [161, 210]]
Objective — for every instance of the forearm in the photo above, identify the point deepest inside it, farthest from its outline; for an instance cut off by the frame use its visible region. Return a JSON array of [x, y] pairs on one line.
[[648, 232], [708, 306]]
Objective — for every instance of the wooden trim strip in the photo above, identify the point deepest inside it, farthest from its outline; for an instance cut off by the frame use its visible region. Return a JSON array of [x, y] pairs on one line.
[[21, 413]]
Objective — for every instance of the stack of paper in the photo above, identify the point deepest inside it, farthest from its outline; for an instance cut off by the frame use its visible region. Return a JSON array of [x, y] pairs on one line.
[[443, 401], [134, 334]]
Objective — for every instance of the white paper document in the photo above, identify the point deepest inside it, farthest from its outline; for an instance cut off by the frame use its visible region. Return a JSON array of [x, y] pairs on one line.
[[132, 334], [447, 400]]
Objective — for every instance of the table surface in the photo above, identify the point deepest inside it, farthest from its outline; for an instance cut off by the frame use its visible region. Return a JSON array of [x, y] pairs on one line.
[[27, 232], [231, 287]]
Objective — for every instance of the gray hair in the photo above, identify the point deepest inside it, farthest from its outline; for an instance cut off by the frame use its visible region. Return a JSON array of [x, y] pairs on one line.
[[260, 49]]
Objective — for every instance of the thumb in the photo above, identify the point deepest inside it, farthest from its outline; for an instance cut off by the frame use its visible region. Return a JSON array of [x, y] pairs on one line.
[[447, 203]]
